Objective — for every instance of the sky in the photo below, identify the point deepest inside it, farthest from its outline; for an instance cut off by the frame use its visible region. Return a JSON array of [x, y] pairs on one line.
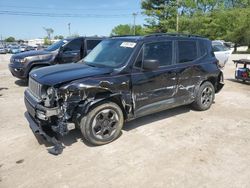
[[25, 19]]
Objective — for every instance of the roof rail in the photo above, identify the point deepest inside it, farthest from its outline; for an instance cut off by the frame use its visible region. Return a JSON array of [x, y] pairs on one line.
[[173, 34], [124, 35]]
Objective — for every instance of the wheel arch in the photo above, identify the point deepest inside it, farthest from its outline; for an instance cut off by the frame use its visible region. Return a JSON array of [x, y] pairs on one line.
[[35, 65], [101, 98]]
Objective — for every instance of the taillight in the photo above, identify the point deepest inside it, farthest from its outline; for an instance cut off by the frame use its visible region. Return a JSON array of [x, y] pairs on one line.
[[218, 64]]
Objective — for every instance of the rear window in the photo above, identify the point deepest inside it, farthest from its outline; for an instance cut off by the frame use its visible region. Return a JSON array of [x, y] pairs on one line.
[[220, 48], [187, 51]]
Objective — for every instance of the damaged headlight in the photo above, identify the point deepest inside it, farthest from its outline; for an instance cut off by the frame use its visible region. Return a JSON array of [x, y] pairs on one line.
[[51, 92]]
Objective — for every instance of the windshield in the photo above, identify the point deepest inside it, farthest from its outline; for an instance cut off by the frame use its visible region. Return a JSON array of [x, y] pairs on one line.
[[110, 53], [56, 45]]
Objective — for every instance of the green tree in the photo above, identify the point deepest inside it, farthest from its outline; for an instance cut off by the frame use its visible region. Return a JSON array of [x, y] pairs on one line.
[[161, 15], [58, 37], [49, 32], [47, 41], [127, 29], [10, 39]]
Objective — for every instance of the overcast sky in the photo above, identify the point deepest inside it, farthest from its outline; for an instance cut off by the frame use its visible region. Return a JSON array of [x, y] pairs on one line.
[[25, 19]]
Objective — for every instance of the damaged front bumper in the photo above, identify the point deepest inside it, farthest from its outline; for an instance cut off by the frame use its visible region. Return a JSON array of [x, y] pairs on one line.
[[37, 129], [40, 118]]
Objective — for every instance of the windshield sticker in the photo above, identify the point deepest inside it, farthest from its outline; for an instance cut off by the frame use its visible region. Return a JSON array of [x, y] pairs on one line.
[[128, 44]]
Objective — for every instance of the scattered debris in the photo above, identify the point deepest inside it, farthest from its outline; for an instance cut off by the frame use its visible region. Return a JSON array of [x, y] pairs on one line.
[[20, 161]]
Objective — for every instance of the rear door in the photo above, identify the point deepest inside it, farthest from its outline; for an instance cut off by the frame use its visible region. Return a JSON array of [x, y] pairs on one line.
[[187, 57], [153, 90]]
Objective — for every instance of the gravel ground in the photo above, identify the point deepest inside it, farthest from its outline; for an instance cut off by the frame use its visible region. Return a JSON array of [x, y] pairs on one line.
[[173, 148]]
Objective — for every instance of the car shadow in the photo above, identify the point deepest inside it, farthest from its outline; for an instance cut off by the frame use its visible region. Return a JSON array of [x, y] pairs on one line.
[[22, 83], [145, 120], [238, 81], [76, 134]]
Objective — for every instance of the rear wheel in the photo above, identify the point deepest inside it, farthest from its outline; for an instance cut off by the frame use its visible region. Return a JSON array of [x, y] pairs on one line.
[[205, 97], [102, 124]]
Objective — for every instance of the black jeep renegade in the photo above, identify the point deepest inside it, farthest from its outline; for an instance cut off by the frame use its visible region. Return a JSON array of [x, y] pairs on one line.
[[121, 79]]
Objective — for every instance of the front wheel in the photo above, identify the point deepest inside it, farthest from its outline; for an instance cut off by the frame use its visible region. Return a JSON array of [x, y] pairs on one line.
[[102, 124], [205, 97]]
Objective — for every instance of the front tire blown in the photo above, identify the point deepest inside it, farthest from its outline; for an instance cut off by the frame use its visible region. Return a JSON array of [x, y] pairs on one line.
[[102, 124]]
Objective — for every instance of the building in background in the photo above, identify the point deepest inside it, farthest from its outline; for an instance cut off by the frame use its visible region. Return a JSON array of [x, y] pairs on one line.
[[39, 42]]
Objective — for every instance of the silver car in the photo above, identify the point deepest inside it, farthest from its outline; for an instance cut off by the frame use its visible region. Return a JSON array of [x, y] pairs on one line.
[[3, 50]]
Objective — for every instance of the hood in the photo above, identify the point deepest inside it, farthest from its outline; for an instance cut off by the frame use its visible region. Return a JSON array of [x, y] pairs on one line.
[[30, 53], [58, 74]]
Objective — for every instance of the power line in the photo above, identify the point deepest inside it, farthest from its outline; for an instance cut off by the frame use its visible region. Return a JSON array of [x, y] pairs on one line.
[[24, 13], [56, 8]]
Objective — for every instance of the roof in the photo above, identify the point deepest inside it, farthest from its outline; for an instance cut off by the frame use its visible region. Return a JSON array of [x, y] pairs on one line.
[[151, 36]]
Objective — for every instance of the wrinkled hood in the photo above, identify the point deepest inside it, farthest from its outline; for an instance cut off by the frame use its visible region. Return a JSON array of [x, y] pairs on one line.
[[58, 74], [30, 53]]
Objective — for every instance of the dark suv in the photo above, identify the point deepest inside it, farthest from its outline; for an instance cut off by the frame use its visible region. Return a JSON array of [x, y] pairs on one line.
[[64, 51], [123, 78]]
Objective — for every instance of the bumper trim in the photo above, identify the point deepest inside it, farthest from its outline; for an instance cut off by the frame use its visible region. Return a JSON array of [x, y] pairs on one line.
[[36, 129]]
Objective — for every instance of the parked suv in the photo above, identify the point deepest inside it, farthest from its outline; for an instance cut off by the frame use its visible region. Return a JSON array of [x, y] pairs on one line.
[[64, 51], [122, 78]]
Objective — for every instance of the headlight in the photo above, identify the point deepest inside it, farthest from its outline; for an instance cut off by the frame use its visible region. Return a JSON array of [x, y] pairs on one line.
[[24, 60], [20, 60]]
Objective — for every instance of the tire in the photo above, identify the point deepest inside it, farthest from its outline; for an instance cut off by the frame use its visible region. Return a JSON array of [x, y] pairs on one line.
[[204, 97], [102, 124]]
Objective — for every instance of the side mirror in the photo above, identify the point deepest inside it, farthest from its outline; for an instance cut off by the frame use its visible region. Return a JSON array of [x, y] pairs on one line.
[[150, 64]]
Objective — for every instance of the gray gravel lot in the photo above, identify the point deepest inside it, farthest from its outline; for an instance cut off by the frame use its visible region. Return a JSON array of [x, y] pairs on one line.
[[173, 148]]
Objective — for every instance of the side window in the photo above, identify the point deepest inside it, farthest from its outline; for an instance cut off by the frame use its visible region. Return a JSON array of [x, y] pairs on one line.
[[187, 51], [74, 45], [91, 44], [161, 51]]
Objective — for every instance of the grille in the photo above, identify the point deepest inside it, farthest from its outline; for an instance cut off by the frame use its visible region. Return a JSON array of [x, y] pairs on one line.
[[35, 88]]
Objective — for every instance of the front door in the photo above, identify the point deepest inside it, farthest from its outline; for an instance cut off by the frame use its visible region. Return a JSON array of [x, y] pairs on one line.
[[71, 52], [154, 90]]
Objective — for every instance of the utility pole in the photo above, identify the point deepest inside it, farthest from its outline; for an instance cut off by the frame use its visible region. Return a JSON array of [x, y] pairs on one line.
[[69, 29], [177, 16], [134, 16]]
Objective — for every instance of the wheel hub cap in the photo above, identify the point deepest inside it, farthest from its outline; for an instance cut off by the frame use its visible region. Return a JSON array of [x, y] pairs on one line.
[[207, 96], [104, 124]]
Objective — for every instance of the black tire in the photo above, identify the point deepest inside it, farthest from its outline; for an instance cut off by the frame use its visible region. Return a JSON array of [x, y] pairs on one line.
[[102, 124], [204, 97]]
